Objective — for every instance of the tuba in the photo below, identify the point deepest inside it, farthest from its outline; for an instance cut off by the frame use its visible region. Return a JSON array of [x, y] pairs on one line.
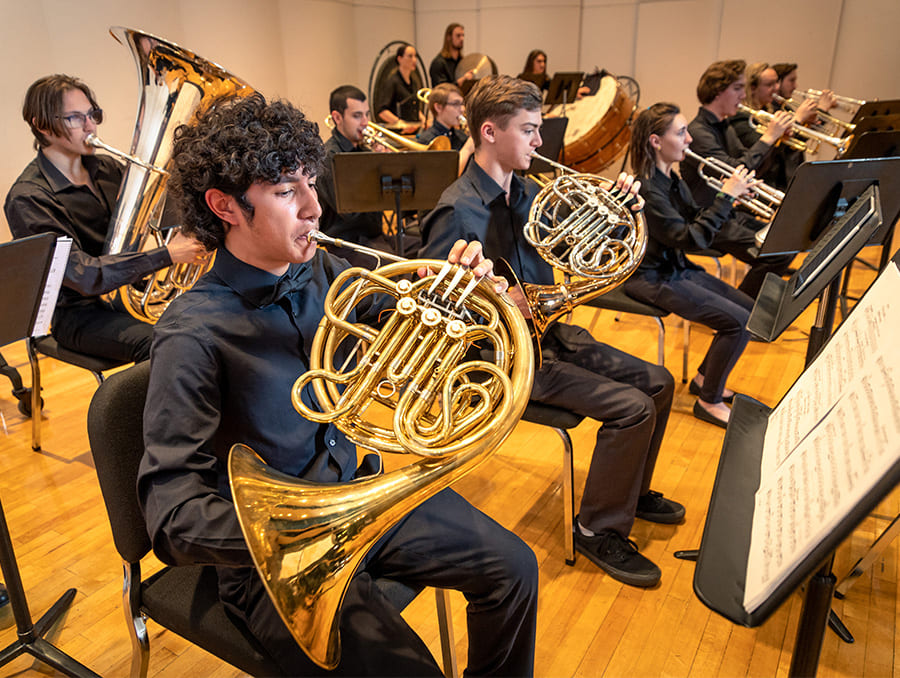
[[581, 227], [407, 387], [175, 84]]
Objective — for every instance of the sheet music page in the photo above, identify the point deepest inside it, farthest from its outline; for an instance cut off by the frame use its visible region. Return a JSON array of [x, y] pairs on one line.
[[842, 423], [51, 287]]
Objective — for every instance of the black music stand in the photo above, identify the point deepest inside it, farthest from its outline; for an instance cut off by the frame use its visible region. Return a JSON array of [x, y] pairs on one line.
[[563, 89], [874, 145], [374, 182], [553, 134], [24, 265], [722, 566], [821, 191], [876, 108]]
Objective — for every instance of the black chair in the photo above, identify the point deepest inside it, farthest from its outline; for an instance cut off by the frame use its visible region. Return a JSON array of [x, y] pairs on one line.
[[182, 599], [46, 345], [561, 420]]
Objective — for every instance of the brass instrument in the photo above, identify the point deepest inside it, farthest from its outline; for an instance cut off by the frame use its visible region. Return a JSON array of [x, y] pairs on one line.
[[846, 103], [423, 94], [175, 84], [405, 388], [393, 142], [760, 120], [578, 225], [823, 117], [764, 200]]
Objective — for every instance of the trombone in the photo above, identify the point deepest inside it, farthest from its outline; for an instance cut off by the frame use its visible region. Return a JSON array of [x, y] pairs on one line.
[[763, 202], [393, 142], [760, 120]]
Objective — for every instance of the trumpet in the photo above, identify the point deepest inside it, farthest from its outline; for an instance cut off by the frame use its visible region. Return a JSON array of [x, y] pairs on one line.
[[846, 103], [823, 117], [412, 388], [393, 142], [760, 120], [764, 200]]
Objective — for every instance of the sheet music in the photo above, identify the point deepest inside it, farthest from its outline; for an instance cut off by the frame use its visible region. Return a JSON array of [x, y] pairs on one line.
[[829, 441], [51, 286]]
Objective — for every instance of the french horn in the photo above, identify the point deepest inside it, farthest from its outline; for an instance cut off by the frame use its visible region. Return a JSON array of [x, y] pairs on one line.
[[407, 387], [175, 84], [584, 228]]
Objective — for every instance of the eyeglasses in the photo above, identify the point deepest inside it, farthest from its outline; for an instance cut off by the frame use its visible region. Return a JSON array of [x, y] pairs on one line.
[[455, 104], [77, 120]]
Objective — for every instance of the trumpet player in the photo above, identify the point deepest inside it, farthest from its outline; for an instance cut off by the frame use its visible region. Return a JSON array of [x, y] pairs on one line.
[[350, 116], [69, 191], [720, 90], [447, 108], [676, 225], [632, 398], [224, 359]]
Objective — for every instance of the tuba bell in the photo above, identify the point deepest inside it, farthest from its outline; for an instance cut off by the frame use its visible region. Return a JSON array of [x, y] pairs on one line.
[[407, 387], [175, 84]]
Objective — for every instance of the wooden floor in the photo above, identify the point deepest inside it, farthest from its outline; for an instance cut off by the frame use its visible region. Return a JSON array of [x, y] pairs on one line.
[[588, 624]]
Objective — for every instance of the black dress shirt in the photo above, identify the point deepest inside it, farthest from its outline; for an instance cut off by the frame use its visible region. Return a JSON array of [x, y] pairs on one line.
[[224, 360], [353, 226], [43, 200], [676, 225], [474, 207], [443, 69], [716, 138], [456, 136], [399, 98]]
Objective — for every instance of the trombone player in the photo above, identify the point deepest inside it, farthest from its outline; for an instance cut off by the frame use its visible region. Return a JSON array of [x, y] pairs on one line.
[[69, 191], [225, 356]]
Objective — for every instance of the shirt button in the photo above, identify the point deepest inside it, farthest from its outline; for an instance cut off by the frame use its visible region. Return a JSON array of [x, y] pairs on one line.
[[332, 442]]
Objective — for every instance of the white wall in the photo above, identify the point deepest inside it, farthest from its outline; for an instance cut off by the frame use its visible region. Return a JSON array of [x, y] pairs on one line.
[[302, 49]]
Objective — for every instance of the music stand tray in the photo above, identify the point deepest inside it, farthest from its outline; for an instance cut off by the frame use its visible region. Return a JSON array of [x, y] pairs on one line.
[[563, 88], [873, 145], [819, 189], [876, 108]]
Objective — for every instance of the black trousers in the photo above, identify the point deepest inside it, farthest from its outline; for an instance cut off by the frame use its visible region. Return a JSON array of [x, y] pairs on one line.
[[447, 543], [738, 238], [100, 329], [631, 397], [700, 297]]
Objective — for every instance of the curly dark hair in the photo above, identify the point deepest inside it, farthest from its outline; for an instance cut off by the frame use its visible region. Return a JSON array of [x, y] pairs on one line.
[[234, 143]]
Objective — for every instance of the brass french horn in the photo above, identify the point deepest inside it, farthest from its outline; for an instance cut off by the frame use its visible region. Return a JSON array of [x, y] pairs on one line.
[[407, 387], [175, 84]]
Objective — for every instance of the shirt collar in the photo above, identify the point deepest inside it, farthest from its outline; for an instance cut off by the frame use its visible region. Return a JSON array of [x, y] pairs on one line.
[[257, 286], [489, 190], [711, 119], [57, 180], [343, 142]]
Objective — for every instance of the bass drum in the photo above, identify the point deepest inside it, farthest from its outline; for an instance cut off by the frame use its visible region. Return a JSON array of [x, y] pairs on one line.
[[599, 126]]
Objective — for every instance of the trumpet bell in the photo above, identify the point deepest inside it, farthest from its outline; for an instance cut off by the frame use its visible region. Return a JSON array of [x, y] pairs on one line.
[[408, 386]]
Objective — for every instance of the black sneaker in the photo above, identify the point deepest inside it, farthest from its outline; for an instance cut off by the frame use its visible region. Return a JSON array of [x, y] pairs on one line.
[[657, 509], [618, 557]]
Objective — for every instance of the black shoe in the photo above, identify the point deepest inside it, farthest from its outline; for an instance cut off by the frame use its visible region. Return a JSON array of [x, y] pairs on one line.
[[694, 389], [4, 595], [618, 557], [657, 509], [703, 415]]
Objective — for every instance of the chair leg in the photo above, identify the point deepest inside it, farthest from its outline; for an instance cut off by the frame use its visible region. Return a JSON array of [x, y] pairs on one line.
[[134, 619], [445, 629], [661, 342], [36, 413], [687, 348], [568, 482]]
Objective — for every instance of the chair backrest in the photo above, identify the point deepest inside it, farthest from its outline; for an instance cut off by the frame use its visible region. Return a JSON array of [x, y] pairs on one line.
[[115, 430]]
